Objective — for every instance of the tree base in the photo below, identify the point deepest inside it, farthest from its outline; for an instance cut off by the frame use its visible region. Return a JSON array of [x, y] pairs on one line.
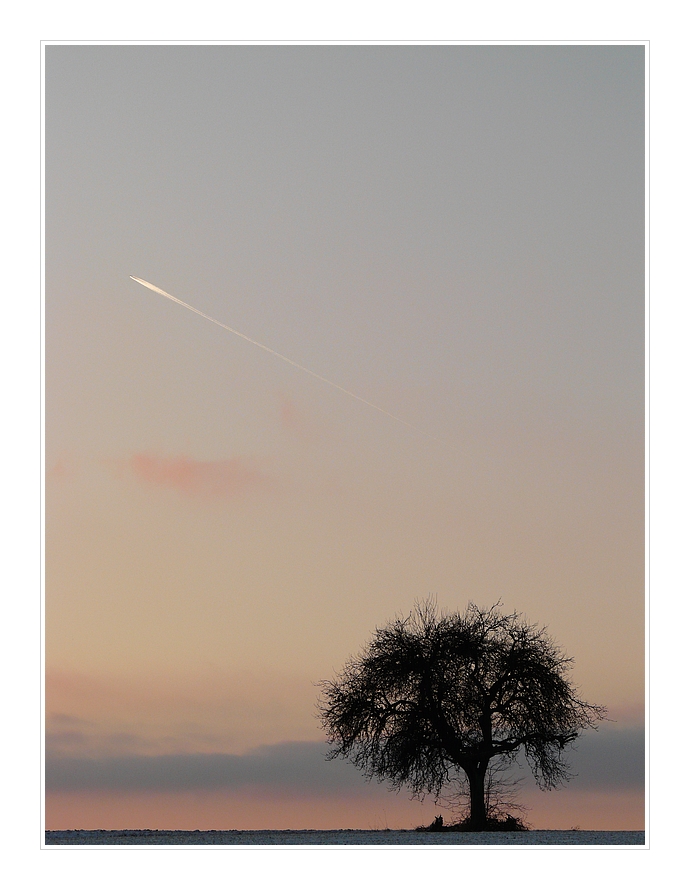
[[509, 823]]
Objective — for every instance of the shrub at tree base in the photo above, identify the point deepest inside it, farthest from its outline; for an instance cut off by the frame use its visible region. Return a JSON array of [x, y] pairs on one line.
[[509, 823]]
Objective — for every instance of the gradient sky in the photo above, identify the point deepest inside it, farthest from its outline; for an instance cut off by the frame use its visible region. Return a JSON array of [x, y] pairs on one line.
[[456, 234]]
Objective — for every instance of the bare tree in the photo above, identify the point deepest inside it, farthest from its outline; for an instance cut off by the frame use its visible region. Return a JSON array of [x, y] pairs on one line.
[[436, 696]]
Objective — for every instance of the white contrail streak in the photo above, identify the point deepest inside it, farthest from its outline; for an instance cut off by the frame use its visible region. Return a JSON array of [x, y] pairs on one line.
[[277, 354]]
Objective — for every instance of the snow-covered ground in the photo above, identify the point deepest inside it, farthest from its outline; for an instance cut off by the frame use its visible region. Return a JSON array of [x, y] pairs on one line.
[[345, 837]]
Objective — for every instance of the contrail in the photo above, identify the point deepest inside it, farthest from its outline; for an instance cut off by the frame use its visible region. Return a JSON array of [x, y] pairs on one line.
[[284, 358]]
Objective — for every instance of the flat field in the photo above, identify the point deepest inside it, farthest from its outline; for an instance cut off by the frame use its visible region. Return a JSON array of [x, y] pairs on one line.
[[346, 837]]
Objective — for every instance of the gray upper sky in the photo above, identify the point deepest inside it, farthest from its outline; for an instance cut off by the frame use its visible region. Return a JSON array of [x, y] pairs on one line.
[[468, 221]]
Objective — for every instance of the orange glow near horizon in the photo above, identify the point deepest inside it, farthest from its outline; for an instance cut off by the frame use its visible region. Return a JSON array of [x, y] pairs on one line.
[[206, 811]]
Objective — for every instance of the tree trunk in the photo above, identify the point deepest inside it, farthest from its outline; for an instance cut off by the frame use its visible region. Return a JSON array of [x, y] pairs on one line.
[[476, 776]]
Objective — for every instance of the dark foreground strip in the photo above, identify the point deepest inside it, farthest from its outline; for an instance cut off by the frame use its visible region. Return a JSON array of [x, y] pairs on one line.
[[346, 837]]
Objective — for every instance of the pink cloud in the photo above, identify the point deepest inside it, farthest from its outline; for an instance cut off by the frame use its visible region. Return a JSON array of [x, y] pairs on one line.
[[227, 478], [291, 418], [294, 420], [63, 468]]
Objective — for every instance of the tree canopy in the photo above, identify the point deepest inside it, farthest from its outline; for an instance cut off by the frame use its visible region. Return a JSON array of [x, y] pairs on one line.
[[435, 695]]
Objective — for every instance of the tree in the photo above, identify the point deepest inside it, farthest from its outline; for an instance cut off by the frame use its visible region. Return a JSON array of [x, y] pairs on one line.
[[434, 696]]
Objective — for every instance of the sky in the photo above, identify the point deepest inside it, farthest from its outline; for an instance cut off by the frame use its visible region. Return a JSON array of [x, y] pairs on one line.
[[453, 233]]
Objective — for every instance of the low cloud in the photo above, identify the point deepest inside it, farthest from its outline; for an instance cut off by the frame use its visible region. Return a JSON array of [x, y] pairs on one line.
[[229, 478], [298, 768], [210, 713], [68, 721], [608, 760]]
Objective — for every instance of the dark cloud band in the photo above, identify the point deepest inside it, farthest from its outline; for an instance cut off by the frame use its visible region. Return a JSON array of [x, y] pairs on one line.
[[607, 760]]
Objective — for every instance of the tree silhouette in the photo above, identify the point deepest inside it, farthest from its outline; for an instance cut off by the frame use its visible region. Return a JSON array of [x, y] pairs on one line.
[[434, 696]]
